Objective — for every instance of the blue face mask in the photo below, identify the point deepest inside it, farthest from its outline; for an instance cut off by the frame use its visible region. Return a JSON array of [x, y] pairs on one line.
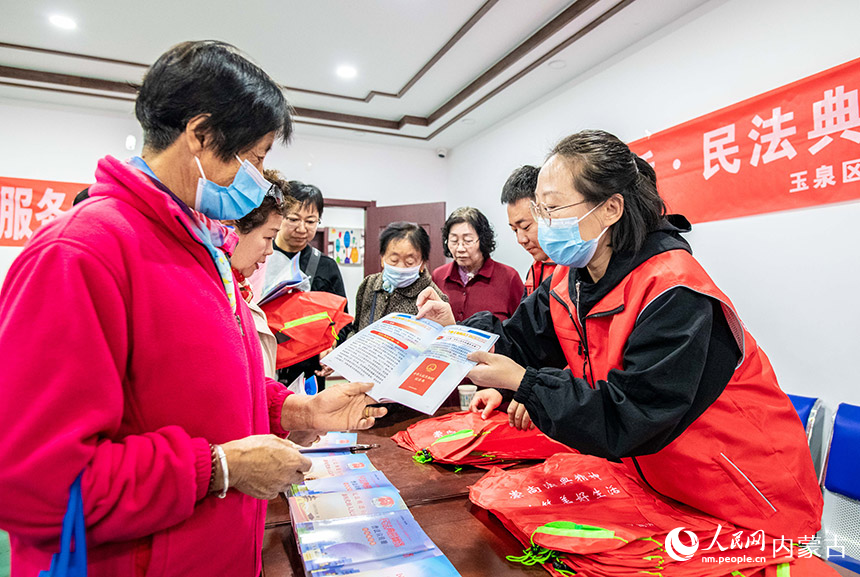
[[394, 277], [563, 244], [235, 201]]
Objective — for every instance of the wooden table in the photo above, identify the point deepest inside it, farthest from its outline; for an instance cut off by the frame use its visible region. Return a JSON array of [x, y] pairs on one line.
[[472, 539]]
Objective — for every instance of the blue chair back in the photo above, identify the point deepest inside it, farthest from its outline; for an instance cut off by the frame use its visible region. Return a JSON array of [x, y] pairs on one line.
[[803, 406], [840, 532], [810, 411], [843, 461]]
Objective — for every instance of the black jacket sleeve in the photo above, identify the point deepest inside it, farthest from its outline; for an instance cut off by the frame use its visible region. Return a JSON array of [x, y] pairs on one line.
[[528, 337], [677, 361]]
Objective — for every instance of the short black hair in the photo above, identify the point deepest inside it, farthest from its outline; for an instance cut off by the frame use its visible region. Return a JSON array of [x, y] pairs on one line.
[[476, 219], [415, 234], [209, 77], [520, 184], [307, 194], [260, 215], [81, 196], [603, 166]]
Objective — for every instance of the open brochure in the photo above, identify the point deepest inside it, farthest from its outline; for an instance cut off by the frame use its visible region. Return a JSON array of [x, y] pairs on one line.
[[416, 363], [280, 276]]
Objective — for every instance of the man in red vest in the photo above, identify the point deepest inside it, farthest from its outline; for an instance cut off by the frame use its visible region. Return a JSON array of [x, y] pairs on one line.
[[518, 194]]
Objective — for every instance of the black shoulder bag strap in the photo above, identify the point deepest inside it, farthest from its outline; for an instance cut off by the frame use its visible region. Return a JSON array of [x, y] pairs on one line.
[[313, 263]]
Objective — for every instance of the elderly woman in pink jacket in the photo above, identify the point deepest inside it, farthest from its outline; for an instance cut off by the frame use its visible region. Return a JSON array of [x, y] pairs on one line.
[[130, 357]]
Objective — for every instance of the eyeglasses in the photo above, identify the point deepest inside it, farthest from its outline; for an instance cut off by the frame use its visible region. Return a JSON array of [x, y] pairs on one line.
[[541, 212], [466, 242], [294, 222]]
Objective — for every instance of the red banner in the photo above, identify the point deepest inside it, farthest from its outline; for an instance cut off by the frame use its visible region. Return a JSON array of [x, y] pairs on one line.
[[792, 147], [25, 205]]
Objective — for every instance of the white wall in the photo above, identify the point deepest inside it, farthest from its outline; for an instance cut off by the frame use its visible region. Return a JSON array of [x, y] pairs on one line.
[[48, 143], [793, 276], [64, 144]]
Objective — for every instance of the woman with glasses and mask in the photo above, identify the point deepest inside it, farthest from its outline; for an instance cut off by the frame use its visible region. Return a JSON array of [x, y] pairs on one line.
[[404, 249], [632, 353], [475, 282], [140, 377], [297, 232]]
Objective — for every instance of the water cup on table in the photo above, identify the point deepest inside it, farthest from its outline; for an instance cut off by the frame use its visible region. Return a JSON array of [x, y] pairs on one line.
[[466, 394]]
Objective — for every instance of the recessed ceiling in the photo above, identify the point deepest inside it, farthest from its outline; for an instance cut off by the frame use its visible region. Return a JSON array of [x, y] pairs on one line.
[[427, 72]]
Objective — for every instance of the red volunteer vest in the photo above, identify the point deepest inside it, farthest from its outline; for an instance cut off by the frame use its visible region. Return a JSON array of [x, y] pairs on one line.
[[745, 459], [538, 271]]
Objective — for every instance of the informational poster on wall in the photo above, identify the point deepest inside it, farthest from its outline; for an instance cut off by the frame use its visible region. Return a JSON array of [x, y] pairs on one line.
[[793, 147], [346, 245], [25, 205]]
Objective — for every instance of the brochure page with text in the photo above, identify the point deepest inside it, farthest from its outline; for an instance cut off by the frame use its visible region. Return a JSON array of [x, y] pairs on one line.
[[416, 363]]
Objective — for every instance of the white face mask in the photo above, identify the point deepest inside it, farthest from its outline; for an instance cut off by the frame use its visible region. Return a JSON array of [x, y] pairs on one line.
[[394, 277]]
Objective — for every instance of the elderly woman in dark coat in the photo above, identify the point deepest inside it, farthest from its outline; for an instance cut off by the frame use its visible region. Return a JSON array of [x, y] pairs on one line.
[[404, 248]]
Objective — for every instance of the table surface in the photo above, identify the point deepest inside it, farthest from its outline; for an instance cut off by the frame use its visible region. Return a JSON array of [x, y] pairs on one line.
[[474, 541]]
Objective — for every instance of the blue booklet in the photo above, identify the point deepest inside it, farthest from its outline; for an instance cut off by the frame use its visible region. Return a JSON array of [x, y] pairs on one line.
[[304, 508], [357, 540], [333, 442], [334, 465], [419, 565], [344, 483]]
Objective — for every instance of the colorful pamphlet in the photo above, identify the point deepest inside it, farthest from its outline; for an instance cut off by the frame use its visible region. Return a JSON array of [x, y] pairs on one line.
[[357, 540], [305, 508], [335, 464], [416, 363], [420, 565], [333, 442], [342, 484]]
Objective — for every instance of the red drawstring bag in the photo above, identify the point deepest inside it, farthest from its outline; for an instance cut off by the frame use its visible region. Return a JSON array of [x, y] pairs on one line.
[[586, 491], [584, 514], [464, 438], [305, 324]]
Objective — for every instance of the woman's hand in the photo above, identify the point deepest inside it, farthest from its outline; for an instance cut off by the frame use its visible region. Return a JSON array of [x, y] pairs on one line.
[[337, 408], [496, 371], [485, 402], [261, 466], [518, 417], [324, 371], [305, 438], [431, 306]]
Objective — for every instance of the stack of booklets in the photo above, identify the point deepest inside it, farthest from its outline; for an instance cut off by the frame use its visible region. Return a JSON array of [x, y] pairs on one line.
[[349, 519]]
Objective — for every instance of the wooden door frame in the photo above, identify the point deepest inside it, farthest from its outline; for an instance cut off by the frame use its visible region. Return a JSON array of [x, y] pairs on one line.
[[346, 203]]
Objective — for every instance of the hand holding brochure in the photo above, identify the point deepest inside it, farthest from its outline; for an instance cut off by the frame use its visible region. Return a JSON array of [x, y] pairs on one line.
[[416, 363]]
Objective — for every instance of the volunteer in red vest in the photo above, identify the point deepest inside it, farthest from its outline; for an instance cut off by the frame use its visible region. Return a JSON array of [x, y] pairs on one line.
[[632, 353], [518, 193], [141, 373]]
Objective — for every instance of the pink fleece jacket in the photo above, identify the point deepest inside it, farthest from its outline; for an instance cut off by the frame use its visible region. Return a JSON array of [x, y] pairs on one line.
[[122, 358]]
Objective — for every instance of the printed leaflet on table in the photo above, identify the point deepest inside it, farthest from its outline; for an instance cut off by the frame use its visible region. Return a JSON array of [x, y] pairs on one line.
[[304, 508], [357, 540]]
